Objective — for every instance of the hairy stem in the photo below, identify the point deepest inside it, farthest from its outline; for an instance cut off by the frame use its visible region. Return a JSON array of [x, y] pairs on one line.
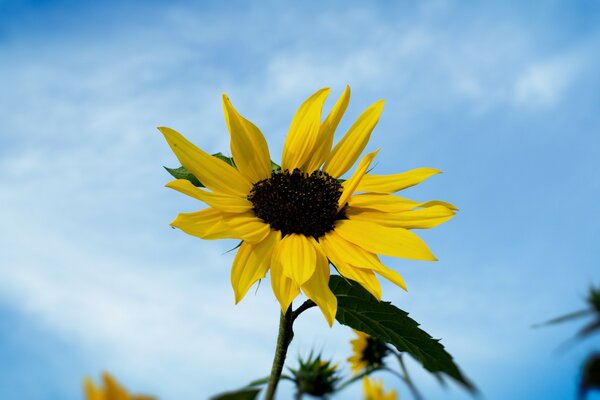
[[283, 341]]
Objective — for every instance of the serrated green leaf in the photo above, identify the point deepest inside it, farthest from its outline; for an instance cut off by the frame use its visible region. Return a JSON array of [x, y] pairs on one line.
[[242, 394], [358, 309], [182, 173]]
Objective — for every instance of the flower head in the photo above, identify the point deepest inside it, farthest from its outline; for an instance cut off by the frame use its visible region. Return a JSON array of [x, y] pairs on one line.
[[367, 351], [295, 220], [373, 390], [315, 376], [111, 390]]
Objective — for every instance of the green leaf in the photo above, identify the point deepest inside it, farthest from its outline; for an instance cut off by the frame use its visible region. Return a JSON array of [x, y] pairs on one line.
[[275, 167], [565, 318], [242, 394], [260, 382], [359, 310], [182, 173], [228, 160]]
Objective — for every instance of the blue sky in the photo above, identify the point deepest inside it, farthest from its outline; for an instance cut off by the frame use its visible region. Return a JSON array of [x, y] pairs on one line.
[[503, 97]]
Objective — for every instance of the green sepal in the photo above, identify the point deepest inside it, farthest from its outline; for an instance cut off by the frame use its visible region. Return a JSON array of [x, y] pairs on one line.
[[241, 394], [358, 309]]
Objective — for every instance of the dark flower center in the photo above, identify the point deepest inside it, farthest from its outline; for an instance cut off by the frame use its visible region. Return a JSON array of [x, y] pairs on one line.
[[374, 352], [296, 202]]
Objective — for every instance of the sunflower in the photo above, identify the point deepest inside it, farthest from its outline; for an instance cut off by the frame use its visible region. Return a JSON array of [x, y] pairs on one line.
[[111, 391], [373, 390], [295, 220], [367, 352]]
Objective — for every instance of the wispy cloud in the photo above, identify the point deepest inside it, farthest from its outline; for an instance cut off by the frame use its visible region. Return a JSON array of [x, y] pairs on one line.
[[87, 254]]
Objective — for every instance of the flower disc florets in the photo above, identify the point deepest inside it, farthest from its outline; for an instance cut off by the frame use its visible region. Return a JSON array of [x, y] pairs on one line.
[[374, 352], [297, 202]]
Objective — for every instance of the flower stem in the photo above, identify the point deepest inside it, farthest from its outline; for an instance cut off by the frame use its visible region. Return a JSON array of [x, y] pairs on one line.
[[407, 380], [283, 341]]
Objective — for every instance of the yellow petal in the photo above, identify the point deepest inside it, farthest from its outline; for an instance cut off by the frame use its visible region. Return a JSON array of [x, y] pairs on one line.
[[439, 203], [205, 224], [222, 202], [365, 277], [390, 274], [317, 289], [298, 257], [113, 389], [303, 135], [215, 174], [351, 184], [395, 182], [251, 263], [327, 131], [341, 251], [248, 145], [381, 201], [396, 242], [347, 151], [248, 227], [91, 391], [284, 288], [422, 218]]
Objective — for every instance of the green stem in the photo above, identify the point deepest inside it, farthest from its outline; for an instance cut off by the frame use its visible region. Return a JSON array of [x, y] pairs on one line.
[[358, 377], [283, 341], [406, 378]]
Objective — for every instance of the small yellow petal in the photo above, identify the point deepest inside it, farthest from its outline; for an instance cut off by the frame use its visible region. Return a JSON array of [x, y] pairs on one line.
[[395, 182], [327, 131], [365, 277], [341, 251], [422, 218], [303, 135], [251, 263], [317, 289], [90, 390], [298, 257], [206, 224], [112, 388], [395, 242], [284, 288], [381, 201], [248, 227], [214, 173], [439, 203], [222, 202], [248, 145], [347, 151], [351, 184]]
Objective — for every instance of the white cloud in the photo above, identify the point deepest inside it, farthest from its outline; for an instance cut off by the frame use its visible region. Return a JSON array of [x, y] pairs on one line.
[[543, 83], [83, 254]]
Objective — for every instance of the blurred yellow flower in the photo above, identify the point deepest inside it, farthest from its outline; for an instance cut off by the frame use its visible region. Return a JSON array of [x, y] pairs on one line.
[[373, 390], [293, 221], [366, 352], [111, 390]]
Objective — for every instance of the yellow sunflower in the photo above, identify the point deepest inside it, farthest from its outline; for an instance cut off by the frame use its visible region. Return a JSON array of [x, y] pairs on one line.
[[373, 390], [295, 220], [111, 391], [366, 352]]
